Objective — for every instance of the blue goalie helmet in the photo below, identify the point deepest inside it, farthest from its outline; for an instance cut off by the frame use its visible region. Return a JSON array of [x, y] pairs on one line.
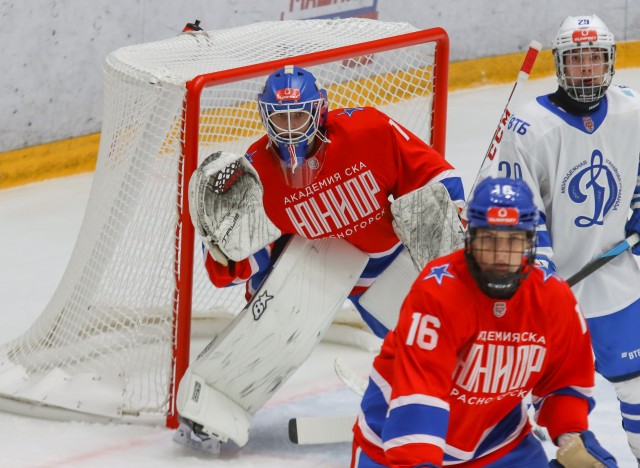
[[498, 261], [293, 108]]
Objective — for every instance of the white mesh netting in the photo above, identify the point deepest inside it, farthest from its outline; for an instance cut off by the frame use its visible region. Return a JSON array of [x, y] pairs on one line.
[[103, 345]]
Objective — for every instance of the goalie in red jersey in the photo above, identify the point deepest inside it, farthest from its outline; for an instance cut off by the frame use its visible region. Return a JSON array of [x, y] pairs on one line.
[[354, 175], [316, 173], [480, 329]]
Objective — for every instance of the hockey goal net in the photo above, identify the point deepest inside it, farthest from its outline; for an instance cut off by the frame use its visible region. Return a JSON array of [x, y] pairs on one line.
[[114, 339]]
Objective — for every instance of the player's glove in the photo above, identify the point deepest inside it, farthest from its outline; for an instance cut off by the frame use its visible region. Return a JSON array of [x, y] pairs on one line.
[[545, 263], [225, 203], [582, 451], [633, 225]]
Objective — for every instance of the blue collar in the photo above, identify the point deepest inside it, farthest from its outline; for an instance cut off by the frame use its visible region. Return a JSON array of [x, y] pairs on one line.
[[585, 123]]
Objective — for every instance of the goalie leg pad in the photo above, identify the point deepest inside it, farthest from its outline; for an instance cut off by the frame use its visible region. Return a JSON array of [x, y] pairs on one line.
[[195, 398], [385, 296], [273, 335], [428, 223]]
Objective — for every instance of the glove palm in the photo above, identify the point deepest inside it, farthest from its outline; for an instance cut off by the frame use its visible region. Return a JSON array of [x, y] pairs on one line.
[[583, 451]]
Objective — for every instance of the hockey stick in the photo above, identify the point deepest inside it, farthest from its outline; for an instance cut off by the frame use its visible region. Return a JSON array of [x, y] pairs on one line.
[[315, 430], [604, 259], [330, 429], [523, 76]]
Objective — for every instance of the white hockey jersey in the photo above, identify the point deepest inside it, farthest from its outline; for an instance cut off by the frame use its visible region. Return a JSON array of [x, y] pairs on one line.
[[583, 171]]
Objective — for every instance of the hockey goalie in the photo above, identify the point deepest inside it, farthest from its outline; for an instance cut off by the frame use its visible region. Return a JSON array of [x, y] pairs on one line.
[[304, 218]]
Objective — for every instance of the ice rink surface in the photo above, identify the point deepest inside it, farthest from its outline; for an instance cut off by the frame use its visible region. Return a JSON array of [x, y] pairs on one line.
[[38, 228]]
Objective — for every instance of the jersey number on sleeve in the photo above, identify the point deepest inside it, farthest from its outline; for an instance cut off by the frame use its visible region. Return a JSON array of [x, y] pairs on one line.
[[423, 331], [399, 128], [583, 321]]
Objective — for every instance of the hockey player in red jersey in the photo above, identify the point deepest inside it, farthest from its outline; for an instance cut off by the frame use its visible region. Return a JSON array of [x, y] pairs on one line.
[[480, 329], [354, 175]]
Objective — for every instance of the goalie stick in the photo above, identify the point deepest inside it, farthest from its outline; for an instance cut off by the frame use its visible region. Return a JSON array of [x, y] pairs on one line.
[[313, 430], [523, 76]]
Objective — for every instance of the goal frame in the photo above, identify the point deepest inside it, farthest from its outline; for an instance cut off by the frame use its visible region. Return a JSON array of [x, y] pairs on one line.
[[185, 232]]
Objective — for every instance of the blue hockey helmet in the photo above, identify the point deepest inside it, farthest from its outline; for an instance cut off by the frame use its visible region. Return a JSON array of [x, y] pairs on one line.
[[503, 204], [499, 262], [293, 108]]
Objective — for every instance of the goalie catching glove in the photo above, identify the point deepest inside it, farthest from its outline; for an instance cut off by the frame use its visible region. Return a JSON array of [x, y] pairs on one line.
[[225, 203], [582, 451]]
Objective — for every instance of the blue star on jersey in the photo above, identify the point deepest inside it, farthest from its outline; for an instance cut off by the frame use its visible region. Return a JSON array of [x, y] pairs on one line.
[[349, 111], [548, 271], [439, 273]]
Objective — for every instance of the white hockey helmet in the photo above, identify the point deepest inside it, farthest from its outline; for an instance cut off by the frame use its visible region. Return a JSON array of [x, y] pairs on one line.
[[581, 37]]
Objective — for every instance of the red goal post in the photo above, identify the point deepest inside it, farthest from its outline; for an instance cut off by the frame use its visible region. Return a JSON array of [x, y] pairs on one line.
[[114, 340]]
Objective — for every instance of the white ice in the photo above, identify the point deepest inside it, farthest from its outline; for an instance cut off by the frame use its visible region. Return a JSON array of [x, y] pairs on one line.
[[38, 228]]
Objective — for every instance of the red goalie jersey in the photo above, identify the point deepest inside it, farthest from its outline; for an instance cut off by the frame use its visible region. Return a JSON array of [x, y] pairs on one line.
[[449, 383], [367, 157]]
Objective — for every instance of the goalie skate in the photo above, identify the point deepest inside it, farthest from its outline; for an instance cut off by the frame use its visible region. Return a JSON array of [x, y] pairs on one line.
[[192, 435]]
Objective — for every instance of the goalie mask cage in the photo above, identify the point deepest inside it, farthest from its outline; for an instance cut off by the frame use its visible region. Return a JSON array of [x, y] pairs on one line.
[[113, 342]]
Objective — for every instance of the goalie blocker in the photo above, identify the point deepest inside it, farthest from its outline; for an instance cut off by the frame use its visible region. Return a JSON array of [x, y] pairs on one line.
[[428, 224]]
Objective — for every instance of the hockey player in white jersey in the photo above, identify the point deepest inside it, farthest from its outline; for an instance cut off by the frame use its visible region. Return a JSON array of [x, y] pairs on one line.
[[579, 148]]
